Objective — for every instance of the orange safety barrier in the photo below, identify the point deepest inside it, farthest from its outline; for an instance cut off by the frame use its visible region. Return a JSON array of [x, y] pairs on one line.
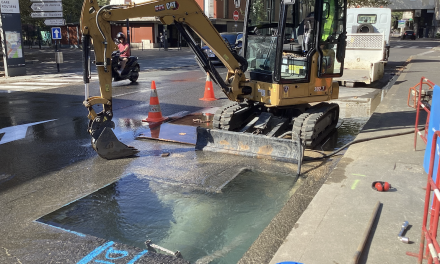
[[418, 98], [432, 251]]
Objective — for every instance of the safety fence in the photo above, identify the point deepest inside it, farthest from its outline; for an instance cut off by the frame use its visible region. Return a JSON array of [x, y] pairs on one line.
[[429, 231], [419, 98]]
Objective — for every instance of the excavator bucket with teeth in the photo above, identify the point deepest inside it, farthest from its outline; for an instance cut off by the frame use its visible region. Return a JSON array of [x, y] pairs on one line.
[[109, 147]]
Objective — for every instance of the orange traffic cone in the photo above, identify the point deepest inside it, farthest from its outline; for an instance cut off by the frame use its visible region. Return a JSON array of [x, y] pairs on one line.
[[209, 90], [155, 114]]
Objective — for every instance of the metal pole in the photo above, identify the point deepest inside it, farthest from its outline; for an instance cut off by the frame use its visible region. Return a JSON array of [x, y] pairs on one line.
[[366, 234], [56, 49], [128, 31]]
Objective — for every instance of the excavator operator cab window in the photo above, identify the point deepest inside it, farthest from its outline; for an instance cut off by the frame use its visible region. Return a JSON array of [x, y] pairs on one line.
[[299, 24], [262, 37], [332, 40]]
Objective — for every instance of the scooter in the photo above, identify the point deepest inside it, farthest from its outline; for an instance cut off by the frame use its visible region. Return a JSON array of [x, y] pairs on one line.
[[131, 70]]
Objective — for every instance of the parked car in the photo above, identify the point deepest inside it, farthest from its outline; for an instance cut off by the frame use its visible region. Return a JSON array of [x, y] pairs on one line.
[[409, 34], [234, 40]]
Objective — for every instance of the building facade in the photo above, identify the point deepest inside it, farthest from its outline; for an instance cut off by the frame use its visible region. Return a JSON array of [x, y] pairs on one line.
[[145, 31]]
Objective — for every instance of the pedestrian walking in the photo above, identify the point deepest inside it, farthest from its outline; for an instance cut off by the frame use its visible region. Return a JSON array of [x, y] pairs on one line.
[[161, 41]]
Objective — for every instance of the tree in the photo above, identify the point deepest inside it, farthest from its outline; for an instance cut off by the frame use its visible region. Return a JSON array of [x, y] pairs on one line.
[[368, 3], [103, 2], [72, 10]]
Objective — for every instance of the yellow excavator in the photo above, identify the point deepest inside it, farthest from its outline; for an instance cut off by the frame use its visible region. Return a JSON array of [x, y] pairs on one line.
[[278, 82]]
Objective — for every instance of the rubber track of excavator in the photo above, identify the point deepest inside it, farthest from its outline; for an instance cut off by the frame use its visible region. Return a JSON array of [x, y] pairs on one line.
[[223, 118], [306, 124]]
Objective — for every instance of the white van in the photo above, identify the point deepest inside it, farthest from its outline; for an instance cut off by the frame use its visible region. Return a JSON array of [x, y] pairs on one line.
[[368, 45], [370, 20]]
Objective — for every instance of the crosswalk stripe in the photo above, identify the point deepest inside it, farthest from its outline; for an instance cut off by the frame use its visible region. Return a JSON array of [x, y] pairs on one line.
[[12, 87], [40, 83], [396, 47], [67, 79], [43, 82]]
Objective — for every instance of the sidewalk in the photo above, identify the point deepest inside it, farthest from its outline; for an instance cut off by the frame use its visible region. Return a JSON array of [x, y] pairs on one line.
[[331, 228]]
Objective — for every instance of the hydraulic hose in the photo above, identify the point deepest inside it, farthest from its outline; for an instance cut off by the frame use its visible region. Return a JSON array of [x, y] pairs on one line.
[[358, 141]]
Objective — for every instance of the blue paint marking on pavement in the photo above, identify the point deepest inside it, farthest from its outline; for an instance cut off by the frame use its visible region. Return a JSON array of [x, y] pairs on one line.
[[95, 253], [66, 230], [111, 254], [70, 231], [434, 125], [111, 251], [289, 262], [137, 257]]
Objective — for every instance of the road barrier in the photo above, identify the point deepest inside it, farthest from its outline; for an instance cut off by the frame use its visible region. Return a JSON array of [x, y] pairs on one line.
[[419, 99], [430, 233]]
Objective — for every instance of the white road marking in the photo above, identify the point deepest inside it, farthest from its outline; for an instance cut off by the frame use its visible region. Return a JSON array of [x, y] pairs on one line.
[[424, 53], [17, 132], [43, 83], [21, 88], [413, 47], [39, 83], [396, 47], [126, 94]]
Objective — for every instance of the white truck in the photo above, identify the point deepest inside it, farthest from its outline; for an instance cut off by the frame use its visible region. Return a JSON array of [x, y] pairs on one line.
[[368, 45]]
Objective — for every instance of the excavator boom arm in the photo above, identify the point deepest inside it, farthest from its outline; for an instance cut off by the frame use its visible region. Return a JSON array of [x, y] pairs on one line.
[[95, 21], [95, 26]]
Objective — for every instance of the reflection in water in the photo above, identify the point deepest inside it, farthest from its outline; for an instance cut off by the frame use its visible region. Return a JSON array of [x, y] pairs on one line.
[[205, 227], [346, 133]]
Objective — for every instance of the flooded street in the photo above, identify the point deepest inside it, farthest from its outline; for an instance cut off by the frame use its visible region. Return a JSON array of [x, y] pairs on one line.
[[212, 207], [190, 202], [206, 227]]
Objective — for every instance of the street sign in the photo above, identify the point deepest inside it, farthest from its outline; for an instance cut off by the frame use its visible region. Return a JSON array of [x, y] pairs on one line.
[[47, 7], [401, 23], [10, 7], [46, 14], [236, 15], [54, 22], [56, 33]]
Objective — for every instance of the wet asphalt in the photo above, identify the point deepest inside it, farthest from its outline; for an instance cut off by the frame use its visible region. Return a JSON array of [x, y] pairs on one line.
[[51, 164]]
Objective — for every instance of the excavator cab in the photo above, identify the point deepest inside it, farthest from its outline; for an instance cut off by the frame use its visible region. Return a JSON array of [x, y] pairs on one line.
[[281, 39]]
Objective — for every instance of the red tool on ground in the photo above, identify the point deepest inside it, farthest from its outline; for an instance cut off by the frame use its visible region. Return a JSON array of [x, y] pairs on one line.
[[381, 186]]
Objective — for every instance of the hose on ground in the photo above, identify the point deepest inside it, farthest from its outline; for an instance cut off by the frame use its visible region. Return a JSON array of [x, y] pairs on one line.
[[358, 141]]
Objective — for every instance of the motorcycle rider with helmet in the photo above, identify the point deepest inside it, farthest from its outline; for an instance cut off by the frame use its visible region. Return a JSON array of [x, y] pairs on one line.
[[124, 49]]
